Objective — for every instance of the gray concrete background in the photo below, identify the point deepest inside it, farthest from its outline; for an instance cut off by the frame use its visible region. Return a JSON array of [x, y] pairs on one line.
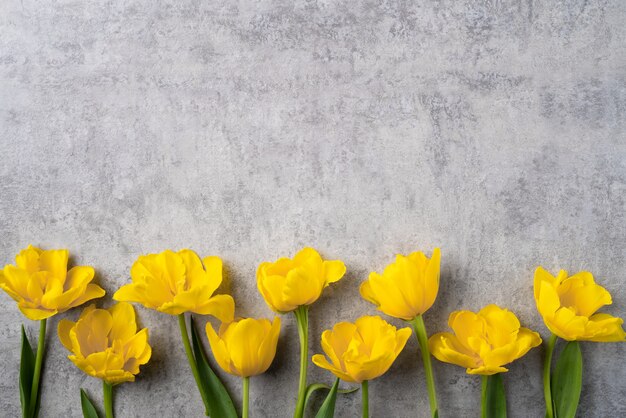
[[493, 129]]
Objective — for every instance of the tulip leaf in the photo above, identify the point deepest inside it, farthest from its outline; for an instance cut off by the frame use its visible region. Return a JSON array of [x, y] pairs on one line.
[[327, 409], [218, 402], [89, 411], [27, 369], [495, 397], [567, 380], [314, 387]]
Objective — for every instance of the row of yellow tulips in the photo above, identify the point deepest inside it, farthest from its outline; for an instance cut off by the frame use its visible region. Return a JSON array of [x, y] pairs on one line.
[[105, 343]]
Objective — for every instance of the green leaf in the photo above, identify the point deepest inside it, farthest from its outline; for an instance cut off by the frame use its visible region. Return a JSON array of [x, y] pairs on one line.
[[218, 402], [328, 407], [27, 369], [89, 411], [495, 402], [314, 387], [567, 380]]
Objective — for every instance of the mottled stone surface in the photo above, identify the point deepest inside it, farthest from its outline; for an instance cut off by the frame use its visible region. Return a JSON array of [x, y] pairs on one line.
[[494, 129]]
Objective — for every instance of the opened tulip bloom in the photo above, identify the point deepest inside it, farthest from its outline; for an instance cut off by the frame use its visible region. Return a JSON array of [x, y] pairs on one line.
[[361, 351], [105, 344], [179, 282], [291, 285], [42, 286], [245, 347], [484, 343], [406, 289], [569, 305]]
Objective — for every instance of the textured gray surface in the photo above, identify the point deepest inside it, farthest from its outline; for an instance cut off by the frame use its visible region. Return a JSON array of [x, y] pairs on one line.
[[495, 130]]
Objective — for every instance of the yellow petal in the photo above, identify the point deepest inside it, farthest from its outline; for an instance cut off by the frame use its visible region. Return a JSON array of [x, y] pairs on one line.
[[28, 260], [35, 314], [267, 349], [320, 361], [333, 270], [123, 326], [446, 347], [214, 269], [487, 370], [219, 349], [63, 329], [55, 262], [302, 287], [220, 306], [92, 291], [128, 293], [431, 285], [605, 328]]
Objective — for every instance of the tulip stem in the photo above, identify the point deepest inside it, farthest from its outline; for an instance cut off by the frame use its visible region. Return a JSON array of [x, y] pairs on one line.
[[107, 389], [547, 391], [302, 317], [192, 360], [483, 396], [34, 391], [246, 397], [422, 339], [365, 399]]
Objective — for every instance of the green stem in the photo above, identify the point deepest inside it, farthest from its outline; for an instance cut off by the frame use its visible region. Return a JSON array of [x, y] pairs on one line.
[[547, 392], [192, 360], [483, 397], [365, 403], [302, 317], [246, 397], [107, 389], [34, 391], [422, 339]]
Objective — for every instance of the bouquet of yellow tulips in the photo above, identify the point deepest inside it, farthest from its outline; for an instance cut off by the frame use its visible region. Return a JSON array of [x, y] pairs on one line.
[[107, 343]]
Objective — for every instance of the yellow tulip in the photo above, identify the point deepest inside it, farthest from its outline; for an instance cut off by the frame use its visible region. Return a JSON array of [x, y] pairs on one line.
[[175, 283], [105, 343], [361, 351], [42, 286], [407, 288], [289, 283], [568, 306], [245, 347], [483, 342]]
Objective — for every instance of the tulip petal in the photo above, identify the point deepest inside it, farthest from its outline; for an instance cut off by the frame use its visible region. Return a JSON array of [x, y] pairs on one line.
[[55, 262], [36, 314], [447, 348], [218, 347], [431, 279], [220, 306], [63, 329], [123, 326], [333, 271], [214, 270], [605, 328], [321, 361]]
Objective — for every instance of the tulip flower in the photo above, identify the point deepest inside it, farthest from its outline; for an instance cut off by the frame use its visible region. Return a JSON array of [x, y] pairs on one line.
[[42, 286], [361, 351], [569, 308], [291, 285], [484, 343], [406, 290], [245, 347], [179, 282], [105, 344]]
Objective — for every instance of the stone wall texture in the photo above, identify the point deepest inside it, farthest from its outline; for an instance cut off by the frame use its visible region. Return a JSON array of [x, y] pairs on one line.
[[493, 129]]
